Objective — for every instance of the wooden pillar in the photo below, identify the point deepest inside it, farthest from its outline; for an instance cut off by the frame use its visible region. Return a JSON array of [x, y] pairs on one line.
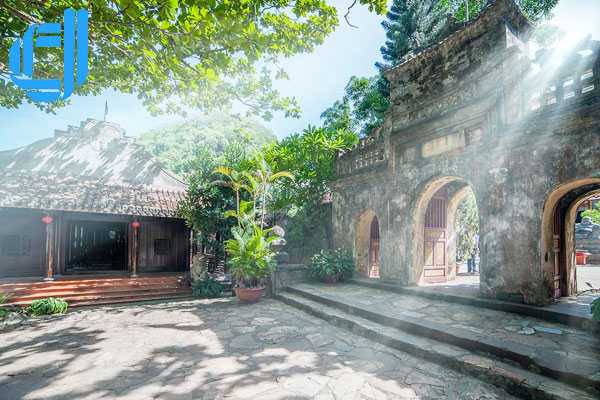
[[191, 256], [135, 248], [48, 221]]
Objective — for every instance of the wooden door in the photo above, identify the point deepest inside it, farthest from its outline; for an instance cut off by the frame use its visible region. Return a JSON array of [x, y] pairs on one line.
[[96, 246], [435, 238], [373, 270], [558, 247]]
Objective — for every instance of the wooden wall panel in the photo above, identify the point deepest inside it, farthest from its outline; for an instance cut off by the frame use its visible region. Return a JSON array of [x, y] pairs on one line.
[[30, 231], [175, 259]]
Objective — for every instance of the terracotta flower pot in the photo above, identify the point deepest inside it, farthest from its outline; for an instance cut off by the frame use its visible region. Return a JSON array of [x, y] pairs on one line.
[[249, 295], [330, 279]]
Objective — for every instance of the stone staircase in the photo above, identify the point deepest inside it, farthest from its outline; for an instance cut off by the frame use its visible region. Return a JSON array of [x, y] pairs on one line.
[[495, 346], [82, 291]]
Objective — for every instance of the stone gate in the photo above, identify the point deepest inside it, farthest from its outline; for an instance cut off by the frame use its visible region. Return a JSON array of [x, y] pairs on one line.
[[476, 112]]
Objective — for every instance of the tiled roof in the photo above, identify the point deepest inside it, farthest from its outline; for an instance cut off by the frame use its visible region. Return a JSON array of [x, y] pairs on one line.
[[51, 192], [90, 168]]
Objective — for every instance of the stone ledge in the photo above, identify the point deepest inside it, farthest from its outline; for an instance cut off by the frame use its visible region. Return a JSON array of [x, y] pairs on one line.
[[517, 381], [577, 321]]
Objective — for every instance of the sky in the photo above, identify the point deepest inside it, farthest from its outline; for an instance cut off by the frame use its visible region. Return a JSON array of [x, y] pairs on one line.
[[316, 80]]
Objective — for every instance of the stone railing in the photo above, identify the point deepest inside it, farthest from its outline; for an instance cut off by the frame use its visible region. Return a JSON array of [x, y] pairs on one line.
[[368, 154]]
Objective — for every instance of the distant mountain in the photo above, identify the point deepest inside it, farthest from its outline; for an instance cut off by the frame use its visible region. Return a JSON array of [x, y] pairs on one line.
[[176, 145]]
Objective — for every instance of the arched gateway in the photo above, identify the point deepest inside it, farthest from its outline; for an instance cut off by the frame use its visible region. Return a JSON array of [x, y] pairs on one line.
[[367, 245], [475, 108]]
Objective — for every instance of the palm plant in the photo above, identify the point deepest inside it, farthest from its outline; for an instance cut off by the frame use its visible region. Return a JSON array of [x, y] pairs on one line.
[[250, 256], [261, 182], [234, 180]]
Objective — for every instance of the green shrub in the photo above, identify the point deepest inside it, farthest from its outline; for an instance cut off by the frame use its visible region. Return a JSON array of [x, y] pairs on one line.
[[3, 300], [47, 306], [595, 306], [207, 288], [337, 264]]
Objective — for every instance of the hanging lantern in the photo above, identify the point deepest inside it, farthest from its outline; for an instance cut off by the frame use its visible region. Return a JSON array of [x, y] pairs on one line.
[[47, 220], [136, 224]]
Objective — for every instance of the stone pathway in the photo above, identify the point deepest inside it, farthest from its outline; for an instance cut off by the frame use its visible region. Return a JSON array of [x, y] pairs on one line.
[[215, 349], [578, 344]]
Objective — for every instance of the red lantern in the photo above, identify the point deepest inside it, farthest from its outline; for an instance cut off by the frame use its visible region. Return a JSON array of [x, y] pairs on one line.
[[136, 224], [47, 220]]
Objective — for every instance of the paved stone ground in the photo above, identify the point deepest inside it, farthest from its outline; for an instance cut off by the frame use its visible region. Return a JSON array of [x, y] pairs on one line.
[[578, 344], [219, 349], [589, 274]]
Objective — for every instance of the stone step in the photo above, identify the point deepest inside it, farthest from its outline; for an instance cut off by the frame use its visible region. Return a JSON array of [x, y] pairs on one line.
[[544, 313], [115, 297], [74, 283], [510, 377], [24, 297], [566, 364]]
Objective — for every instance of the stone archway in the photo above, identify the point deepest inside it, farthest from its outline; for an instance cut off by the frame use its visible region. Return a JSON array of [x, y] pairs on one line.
[[367, 244], [558, 236], [434, 234]]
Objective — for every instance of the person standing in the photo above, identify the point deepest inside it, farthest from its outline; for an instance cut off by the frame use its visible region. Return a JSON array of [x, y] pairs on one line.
[[472, 262]]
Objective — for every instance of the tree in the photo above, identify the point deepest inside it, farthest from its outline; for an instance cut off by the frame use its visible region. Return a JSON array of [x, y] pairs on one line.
[[309, 156], [594, 214], [467, 226], [546, 35], [410, 26], [178, 54], [361, 109], [205, 203], [535, 10]]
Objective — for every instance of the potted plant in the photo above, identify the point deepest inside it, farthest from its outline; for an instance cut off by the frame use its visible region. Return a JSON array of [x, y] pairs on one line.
[[250, 257], [331, 266], [251, 260]]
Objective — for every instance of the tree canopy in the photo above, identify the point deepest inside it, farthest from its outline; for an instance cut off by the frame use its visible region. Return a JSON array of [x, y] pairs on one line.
[[176, 54], [361, 108], [182, 146]]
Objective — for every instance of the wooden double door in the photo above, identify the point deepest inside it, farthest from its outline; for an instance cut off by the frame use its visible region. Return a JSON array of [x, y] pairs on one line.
[[96, 246]]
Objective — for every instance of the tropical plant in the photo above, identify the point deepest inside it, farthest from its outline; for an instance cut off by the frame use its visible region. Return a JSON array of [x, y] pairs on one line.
[[594, 214], [207, 288], [595, 308], [205, 203], [236, 181], [178, 54], [3, 300], [251, 258], [47, 306], [260, 184], [332, 264]]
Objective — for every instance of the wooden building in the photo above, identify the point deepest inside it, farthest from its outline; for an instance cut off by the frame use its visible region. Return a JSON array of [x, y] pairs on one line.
[[89, 201]]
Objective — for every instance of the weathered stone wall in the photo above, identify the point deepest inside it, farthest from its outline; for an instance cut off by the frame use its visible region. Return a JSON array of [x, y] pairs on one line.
[[286, 275], [462, 112]]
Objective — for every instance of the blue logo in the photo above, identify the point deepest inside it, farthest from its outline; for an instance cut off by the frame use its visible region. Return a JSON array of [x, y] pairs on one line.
[[75, 48]]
